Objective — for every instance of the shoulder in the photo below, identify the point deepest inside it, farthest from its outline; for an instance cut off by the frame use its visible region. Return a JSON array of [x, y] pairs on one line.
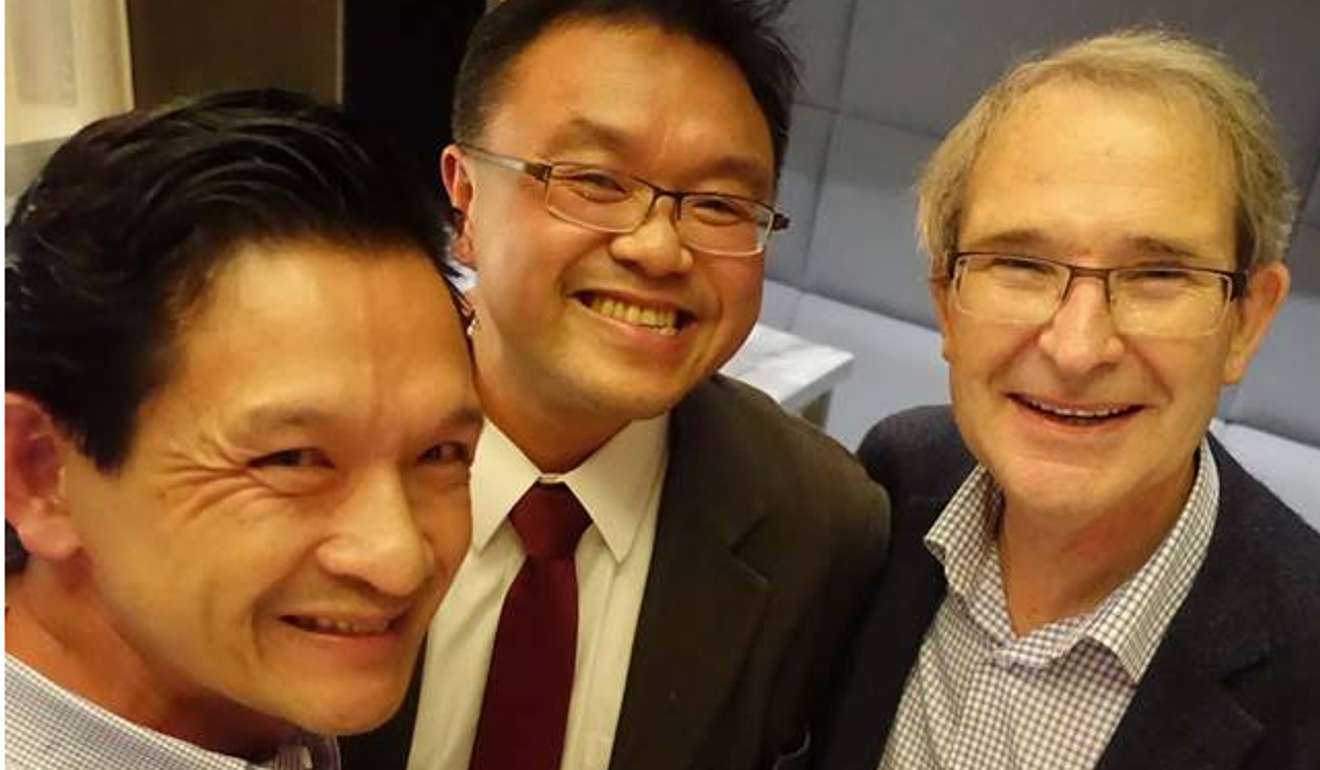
[[1261, 581], [1276, 533], [917, 453], [787, 465]]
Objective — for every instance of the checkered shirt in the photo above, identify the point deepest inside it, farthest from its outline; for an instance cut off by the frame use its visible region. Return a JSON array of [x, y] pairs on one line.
[[50, 728], [980, 697]]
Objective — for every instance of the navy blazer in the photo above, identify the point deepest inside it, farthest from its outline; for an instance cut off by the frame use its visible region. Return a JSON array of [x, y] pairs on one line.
[[1235, 683]]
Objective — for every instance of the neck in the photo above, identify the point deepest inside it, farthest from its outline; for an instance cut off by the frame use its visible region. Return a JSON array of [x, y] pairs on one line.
[[1051, 573], [556, 437], [56, 624]]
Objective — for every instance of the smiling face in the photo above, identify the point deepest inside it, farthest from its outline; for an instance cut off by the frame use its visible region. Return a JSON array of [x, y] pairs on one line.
[[1101, 179], [295, 501], [575, 324]]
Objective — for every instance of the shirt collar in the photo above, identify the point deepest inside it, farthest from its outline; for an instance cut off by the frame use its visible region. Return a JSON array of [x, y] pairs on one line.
[[615, 484], [1131, 621], [965, 530]]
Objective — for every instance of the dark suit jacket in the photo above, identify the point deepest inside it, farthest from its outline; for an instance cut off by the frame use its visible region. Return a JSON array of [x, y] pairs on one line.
[[768, 537], [1235, 682]]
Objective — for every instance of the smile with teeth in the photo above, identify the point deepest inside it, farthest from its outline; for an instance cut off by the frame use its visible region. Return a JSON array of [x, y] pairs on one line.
[[1072, 413], [661, 320], [339, 627]]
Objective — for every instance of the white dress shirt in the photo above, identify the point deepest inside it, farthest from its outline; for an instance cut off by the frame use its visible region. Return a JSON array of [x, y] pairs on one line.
[[620, 487]]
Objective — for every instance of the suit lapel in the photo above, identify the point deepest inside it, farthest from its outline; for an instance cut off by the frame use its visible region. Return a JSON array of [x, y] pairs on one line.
[[703, 604], [910, 592], [1184, 713]]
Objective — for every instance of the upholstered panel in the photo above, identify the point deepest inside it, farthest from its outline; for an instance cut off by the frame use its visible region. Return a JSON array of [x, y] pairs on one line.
[[921, 65], [863, 250], [799, 191], [1286, 467], [779, 303], [818, 32], [1312, 211], [898, 364], [1279, 392], [1304, 259]]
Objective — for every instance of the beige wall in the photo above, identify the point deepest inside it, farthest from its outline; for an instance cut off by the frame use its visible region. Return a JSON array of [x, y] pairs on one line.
[[66, 64]]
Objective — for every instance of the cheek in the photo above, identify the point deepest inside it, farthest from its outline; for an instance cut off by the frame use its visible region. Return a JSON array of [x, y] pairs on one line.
[[447, 525], [738, 286], [1191, 380], [980, 355]]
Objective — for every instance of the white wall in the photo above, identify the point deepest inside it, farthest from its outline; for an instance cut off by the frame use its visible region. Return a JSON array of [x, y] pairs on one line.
[[66, 64]]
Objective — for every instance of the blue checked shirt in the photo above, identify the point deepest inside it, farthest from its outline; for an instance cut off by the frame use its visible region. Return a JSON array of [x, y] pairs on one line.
[[981, 697], [50, 728]]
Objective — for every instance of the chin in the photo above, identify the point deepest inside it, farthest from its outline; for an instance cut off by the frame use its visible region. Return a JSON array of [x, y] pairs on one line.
[[627, 400], [1072, 494], [354, 715], [349, 707]]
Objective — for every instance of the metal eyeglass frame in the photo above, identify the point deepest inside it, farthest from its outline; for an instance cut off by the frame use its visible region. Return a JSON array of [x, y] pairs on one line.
[[1237, 279], [543, 172]]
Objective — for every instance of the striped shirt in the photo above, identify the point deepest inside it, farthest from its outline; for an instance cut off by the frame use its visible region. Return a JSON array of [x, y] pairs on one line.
[[50, 728], [981, 697]]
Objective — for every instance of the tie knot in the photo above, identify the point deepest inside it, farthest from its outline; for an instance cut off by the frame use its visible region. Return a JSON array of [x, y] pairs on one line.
[[549, 520]]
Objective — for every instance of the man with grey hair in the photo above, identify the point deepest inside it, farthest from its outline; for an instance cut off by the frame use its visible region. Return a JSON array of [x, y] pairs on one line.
[[1081, 576]]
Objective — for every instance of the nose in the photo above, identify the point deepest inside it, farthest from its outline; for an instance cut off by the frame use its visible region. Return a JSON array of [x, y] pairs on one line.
[[654, 247], [1081, 337], [376, 540]]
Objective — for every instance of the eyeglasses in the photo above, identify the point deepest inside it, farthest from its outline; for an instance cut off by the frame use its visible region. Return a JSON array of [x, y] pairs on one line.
[[1155, 300], [612, 202]]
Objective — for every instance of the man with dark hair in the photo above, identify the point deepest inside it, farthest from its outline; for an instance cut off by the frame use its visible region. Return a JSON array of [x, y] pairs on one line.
[[663, 563], [1081, 575], [238, 422]]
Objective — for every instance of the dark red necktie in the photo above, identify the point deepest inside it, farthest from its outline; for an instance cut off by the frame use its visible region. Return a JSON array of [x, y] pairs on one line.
[[525, 708]]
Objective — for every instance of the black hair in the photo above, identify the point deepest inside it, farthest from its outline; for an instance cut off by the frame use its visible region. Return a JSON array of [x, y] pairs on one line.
[[741, 29], [123, 228]]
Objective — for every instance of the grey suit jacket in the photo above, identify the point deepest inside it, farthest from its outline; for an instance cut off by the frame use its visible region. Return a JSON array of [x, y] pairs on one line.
[[1235, 682], [768, 537]]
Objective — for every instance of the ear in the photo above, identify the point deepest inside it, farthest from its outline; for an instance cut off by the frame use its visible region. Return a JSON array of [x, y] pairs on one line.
[[940, 295], [458, 185], [1266, 289], [34, 476]]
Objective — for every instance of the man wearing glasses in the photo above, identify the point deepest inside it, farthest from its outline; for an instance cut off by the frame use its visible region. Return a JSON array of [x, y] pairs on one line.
[[664, 566], [1081, 576]]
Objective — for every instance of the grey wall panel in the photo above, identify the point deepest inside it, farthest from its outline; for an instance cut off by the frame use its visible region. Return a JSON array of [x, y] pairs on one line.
[[1304, 260], [1311, 213], [864, 249], [898, 364], [779, 303], [921, 65], [799, 190], [818, 32], [1278, 392]]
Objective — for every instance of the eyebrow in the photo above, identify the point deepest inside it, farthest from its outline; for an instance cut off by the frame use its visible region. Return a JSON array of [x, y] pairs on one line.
[[583, 133], [466, 416], [1031, 239], [273, 417]]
